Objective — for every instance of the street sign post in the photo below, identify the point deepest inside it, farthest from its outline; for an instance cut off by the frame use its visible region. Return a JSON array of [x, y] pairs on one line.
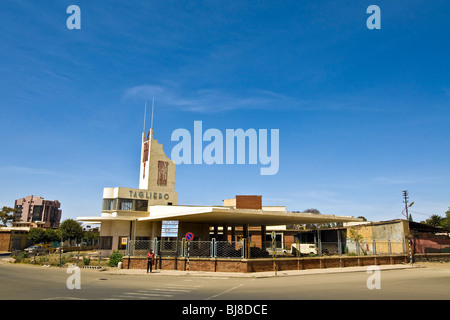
[[274, 252], [189, 237]]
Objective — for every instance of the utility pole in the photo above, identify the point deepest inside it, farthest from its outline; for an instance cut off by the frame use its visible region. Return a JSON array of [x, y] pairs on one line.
[[405, 200]]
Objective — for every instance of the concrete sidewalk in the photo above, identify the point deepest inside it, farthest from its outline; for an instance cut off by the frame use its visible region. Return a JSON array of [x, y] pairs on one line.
[[266, 274]]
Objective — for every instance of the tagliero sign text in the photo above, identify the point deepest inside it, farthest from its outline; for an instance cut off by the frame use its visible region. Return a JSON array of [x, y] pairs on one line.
[[148, 195]]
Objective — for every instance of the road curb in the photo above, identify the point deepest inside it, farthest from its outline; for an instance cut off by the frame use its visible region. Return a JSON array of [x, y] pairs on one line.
[[268, 274]]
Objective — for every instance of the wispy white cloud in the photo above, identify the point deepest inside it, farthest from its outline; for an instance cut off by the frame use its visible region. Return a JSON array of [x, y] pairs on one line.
[[27, 170], [412, 179], [207, 100], [82, 174], [391, 180], [216, 100]]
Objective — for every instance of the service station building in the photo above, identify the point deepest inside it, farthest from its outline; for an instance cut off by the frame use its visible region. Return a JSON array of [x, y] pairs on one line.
[[131, 214]]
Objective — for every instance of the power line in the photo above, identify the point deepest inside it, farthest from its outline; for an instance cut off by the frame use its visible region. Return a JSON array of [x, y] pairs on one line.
[[391, 203], [425, 214], [399, 215]]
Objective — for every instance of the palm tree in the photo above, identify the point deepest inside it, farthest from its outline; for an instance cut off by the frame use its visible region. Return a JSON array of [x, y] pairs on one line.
[[435, 220]]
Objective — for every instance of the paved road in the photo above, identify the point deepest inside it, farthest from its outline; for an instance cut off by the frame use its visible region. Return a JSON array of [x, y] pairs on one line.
[[23, 282]]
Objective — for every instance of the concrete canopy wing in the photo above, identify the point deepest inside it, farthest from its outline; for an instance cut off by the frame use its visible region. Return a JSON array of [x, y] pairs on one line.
[[220, 215], [100, 219]]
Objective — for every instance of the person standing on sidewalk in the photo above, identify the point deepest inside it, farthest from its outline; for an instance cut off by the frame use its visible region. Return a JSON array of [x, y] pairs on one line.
[[150, 260]]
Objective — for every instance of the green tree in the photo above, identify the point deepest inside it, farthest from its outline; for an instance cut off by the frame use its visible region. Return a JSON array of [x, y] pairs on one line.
[[36, 235], [7, 214], [52, 235], [325, 225], [355, 236], [445, 223], [70, 229], [435, 220], [90, 236], [438, 221]]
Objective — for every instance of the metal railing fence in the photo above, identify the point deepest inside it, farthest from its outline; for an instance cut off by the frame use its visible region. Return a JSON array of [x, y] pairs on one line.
[[197, 249], [249, 250]]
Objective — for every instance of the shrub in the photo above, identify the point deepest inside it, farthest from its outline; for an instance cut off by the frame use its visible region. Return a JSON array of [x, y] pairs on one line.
[[86, 261], [115, 258], [44, 259], [62, 261], [21, 256]]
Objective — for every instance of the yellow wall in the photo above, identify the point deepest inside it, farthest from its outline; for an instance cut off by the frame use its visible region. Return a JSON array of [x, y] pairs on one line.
[[396, 232]]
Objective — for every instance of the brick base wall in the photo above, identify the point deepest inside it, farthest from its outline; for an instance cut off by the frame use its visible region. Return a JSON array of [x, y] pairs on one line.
[[432, 257], [260, 265], [5, 240]]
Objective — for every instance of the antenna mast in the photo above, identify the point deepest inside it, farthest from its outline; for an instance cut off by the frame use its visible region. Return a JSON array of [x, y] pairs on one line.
[[153, 105], [145, 114]]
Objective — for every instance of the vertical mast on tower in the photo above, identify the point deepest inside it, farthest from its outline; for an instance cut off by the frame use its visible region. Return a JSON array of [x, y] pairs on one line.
[[153, 106], [145, 115]]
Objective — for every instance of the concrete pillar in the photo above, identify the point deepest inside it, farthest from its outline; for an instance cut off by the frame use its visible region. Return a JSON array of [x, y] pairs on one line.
[[339, 242], [247, 242], [233, 233], [245, 231], [319, 239], [263, 236], [216, 231], [154, 233], [225, 232]]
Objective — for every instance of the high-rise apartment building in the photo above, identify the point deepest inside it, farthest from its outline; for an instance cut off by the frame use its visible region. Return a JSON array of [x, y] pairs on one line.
[[33, 209]]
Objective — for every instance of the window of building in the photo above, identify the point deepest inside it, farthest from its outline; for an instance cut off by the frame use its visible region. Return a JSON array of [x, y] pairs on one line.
[[141, 205], [18, 214], [37, 213], [53, 215], [126, 204], [105, 242], [109, 204]]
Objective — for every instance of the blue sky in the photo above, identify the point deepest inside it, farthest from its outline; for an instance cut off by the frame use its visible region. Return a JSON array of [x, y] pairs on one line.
[[362, 114]]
